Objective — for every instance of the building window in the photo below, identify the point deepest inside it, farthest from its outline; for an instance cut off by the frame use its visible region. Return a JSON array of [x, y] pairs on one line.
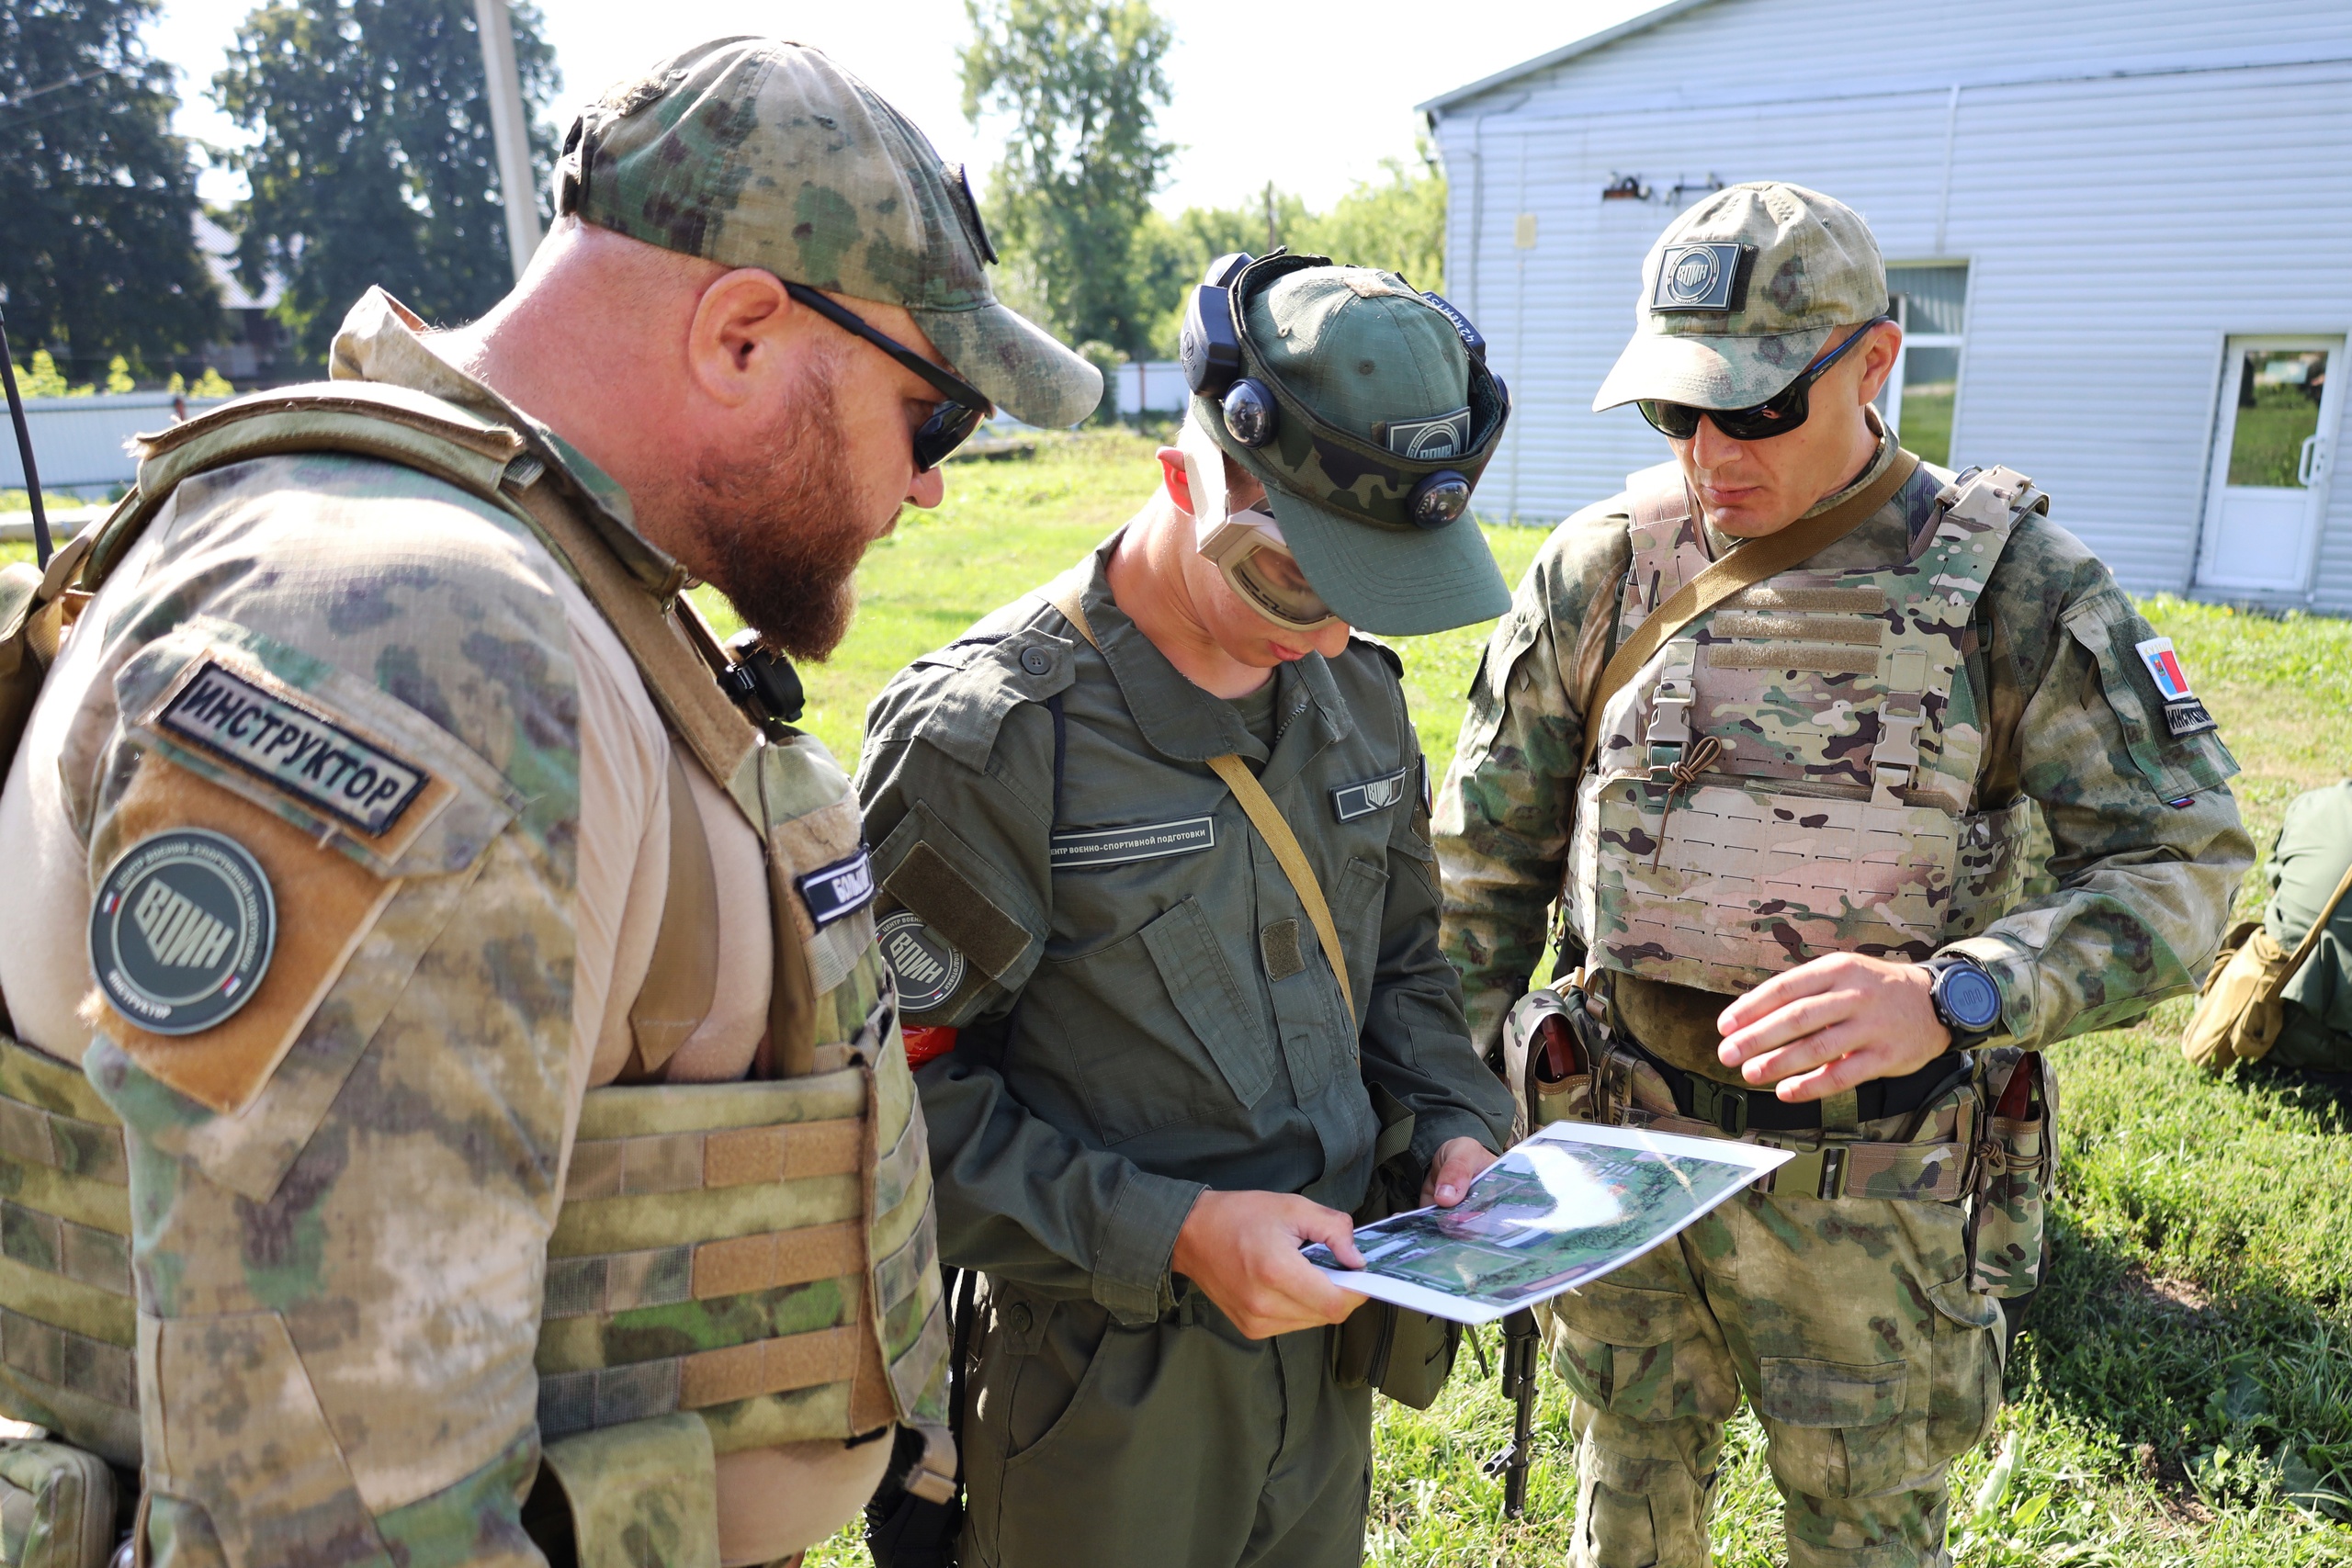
[[1930, 302]]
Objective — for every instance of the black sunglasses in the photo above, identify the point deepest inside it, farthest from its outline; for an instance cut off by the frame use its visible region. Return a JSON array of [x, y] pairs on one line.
[[952, 422], [1776, 415]]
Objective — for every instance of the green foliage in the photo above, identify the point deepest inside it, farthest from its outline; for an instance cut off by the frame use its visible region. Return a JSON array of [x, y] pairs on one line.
[[42, 378], [376, 163], [1082, 83], [99, 196], [1397, 221], [211, 384], [118, 377]]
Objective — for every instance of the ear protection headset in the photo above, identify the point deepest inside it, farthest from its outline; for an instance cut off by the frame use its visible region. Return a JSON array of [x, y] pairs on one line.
[[1215, 349]]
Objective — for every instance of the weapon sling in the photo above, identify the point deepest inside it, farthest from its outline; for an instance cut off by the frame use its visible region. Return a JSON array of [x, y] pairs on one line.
[[1748, 565]]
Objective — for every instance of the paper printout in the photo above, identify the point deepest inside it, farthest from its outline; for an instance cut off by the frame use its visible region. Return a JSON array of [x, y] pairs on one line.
[[1566, 1206]]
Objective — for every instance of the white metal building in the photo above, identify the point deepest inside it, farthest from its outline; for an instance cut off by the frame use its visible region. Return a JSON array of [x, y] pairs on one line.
[[2119, 232]]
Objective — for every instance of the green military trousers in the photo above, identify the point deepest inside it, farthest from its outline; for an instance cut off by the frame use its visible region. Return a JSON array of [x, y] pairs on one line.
[[1850, 1327], [1180, 1444]]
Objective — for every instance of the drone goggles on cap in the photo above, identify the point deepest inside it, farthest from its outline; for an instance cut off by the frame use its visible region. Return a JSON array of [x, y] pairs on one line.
[[1245, 545], [1398, 479]]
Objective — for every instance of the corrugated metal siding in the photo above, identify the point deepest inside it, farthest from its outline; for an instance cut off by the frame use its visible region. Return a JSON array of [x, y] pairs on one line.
[[2117, 229]]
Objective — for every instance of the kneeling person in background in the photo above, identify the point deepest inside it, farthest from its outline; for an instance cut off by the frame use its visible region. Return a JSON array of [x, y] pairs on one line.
[[1175, 1054]]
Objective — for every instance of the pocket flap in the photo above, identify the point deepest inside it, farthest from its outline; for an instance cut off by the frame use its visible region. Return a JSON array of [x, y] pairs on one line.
[[1201, 983], [1800, 1392], [1624, 1315], [1965, 1305]]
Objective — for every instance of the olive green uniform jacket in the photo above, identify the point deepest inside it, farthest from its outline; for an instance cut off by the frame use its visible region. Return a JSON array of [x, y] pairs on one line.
[[1146, 1013], [2314, 845]]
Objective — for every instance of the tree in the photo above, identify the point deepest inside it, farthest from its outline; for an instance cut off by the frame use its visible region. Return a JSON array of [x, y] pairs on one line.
[[376, 163], [97, 245], [1397, 223], [1082, 83]]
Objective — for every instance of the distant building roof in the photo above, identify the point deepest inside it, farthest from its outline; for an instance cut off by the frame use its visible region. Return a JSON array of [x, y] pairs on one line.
[[1437, 106], [220, 248]]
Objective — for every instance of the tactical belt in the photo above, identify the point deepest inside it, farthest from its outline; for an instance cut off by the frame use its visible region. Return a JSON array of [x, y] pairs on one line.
[[1733, 1111]]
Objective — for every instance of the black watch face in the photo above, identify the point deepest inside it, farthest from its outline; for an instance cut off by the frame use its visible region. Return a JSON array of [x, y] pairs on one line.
[[1969, 996]]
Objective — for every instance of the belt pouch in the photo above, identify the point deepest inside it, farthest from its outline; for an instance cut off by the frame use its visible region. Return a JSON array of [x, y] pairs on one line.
[[2016, 1164], [1405, 1354], [621, 1497], [57, 1507]]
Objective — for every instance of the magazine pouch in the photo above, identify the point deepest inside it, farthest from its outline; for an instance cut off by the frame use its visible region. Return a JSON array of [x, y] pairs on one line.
[[1405, 1354], [2017, 1165], [57, 1507]]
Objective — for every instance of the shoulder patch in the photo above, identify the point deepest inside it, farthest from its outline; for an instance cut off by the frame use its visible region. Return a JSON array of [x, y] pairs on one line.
[[837, 891], [182, 928], [926, 968]]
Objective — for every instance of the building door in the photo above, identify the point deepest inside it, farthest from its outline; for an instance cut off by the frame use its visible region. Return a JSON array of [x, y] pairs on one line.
[[2268, 489]]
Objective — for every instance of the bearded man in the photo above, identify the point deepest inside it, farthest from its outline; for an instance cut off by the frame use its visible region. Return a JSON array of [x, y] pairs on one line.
[[488, 1030]]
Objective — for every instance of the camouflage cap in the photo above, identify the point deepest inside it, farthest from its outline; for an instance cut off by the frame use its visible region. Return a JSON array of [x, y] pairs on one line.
[[1387, 374], [753, 152], [1742, 292]]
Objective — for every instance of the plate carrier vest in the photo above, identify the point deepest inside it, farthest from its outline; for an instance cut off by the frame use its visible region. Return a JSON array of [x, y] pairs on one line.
[[690, 1210], [1788, 776]]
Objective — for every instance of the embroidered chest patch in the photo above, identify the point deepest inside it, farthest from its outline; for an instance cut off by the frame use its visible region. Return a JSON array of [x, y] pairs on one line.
[[2184, 714], [1080, 849], [181, 929], [1361, 799], [306, 754]]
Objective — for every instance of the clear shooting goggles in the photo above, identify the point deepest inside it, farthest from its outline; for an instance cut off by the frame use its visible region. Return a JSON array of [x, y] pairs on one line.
[[1246, 544]]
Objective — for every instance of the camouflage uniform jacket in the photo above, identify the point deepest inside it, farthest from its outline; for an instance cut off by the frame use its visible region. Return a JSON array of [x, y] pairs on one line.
[[1139, 1018], [2147, 846], [342, 1216]]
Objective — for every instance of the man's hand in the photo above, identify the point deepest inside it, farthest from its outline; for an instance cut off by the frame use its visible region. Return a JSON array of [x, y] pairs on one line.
[[1831, 1024], [1242, 1249], [1458, 1161]]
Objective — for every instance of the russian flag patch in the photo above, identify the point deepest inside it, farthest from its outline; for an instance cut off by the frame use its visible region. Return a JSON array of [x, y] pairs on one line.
[[2184, 714]]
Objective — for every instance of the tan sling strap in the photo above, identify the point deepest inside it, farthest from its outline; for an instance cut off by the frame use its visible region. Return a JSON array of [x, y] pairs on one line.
[[1748, 565], [2277, 988], [682, 976], [1064, 594]]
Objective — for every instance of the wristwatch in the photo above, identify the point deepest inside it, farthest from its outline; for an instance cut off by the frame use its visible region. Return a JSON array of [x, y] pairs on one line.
[[1966, 999]]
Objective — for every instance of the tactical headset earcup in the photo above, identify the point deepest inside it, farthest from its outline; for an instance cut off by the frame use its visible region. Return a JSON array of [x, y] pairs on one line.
[[1250, 412], [1208, 346]]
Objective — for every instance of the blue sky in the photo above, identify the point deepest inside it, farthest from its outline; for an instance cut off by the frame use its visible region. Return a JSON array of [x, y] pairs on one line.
[[1264, 89]]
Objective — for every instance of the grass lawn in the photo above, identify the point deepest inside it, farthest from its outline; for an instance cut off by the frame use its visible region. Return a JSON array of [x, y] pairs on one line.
[[2186, 1377]]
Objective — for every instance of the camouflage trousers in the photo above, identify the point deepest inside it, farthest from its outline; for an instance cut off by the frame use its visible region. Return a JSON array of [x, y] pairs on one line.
[[1849, 1323]]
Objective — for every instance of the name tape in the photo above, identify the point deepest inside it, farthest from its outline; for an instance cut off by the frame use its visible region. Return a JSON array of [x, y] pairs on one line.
[[301, 752], [837, 891], [1082, 848]]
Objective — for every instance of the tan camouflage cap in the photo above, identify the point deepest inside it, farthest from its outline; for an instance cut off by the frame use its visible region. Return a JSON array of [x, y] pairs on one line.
[[753, 151], [1742, 292]]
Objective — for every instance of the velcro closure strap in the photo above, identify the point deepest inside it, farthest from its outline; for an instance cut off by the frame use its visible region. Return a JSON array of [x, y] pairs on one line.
[[1919, 1173], [734, 1156]]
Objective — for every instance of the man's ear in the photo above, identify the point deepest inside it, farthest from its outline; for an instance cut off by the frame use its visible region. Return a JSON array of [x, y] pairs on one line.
[[1878, 356], [739, 343], [1176, 479]]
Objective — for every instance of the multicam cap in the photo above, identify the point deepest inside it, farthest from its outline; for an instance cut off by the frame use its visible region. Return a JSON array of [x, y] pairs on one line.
[[752, 151], [1389, 374], [1742, 292]]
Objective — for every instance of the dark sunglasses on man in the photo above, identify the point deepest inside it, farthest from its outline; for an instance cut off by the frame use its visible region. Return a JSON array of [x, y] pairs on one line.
[[952, 422], [1776, 415]]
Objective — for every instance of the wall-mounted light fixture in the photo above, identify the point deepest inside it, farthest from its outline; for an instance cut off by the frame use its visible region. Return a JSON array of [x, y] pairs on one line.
[[1624, 188]]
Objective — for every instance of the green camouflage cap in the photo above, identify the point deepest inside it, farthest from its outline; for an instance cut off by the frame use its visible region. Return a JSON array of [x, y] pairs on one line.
[[753, 152], [1742, 292], [1388, 376]]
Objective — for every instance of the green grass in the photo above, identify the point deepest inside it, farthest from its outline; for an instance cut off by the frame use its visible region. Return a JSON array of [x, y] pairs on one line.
[[2186, 1375]]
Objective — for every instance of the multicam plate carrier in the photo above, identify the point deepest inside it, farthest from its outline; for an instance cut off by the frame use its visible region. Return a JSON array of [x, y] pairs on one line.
[[1788, 775]]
